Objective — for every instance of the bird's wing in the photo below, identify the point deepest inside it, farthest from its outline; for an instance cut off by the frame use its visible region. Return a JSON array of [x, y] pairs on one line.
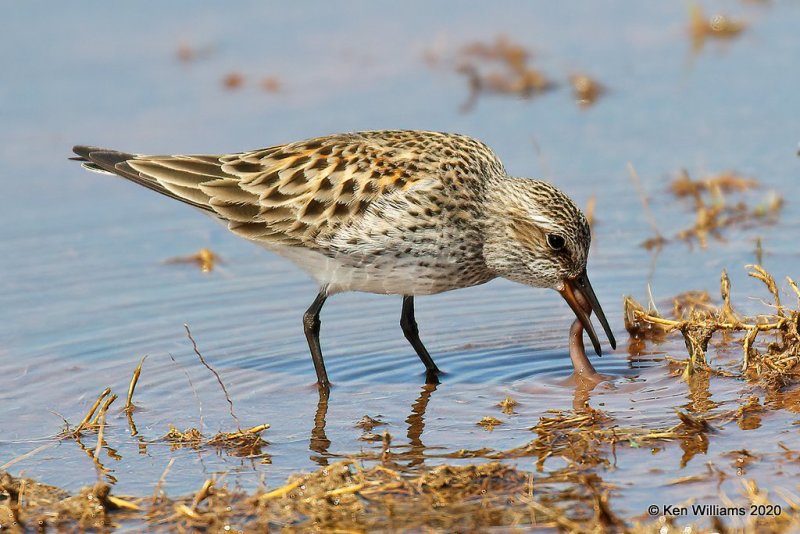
[[292, 194]]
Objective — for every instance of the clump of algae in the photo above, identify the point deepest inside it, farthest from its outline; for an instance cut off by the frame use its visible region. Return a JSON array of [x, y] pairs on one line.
[[717, 204], [349, 496], [702, 27], [773, 362], [245, 443]]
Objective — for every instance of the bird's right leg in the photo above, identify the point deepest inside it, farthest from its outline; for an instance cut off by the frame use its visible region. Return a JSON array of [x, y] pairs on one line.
[[311, 324], [409, 325]]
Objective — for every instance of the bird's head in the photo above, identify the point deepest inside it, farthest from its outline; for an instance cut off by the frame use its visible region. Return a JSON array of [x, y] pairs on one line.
[[536, 235]]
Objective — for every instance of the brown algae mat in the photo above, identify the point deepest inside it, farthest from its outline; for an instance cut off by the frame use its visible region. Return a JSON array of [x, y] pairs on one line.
[[344, 496], [377, 490], [348, 496]]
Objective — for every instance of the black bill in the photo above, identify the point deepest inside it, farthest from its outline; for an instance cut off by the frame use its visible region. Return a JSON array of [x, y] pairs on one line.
[[580, 296]]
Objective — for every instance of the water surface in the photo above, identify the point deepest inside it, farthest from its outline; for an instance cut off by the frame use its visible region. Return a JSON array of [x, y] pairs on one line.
[[85, 291]]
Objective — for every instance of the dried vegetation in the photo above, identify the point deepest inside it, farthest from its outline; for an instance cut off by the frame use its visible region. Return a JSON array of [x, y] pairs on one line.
[[702, 27], [505, 67], [770, 342], [205, 258], [500, 68], [246, 443], [564, 492], [586, 89], [718, 203]]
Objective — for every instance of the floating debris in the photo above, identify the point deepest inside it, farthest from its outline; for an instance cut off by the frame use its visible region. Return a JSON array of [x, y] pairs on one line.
[[770, 361], [586, 90], [504, 67], [489, 422], [268, 84], [714, 210], [232, 81], [702, 27], [191, 437], [500, 68], [244, 443], [507, 405], [187, 53], [717, 185], [205, 258], [271, 84], [367, 423]]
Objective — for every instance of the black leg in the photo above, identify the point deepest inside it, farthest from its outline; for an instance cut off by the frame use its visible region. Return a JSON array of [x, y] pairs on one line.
[[409, 326], [311, 324]]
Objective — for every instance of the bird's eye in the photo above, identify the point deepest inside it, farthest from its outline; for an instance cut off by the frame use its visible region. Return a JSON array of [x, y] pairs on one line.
[[556, 241]]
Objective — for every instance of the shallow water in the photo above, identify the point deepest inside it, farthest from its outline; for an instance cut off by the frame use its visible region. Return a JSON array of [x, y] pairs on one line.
[[85, 291]]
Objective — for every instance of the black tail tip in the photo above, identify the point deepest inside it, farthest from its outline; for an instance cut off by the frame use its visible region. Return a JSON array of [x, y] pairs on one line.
[[103, 157], [83, 151]]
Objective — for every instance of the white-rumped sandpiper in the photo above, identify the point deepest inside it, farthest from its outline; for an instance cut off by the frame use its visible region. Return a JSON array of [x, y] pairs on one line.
[[393, 212]]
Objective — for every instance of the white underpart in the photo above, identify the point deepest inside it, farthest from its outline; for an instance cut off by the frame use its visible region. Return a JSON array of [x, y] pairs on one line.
[[349, 272], [400, 276]]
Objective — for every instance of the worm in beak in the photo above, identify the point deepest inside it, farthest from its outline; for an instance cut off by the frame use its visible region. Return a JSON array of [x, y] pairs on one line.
[[580, 296]]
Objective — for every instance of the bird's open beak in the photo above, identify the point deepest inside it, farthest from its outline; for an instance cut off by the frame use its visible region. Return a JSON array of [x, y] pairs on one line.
[[580, 296]]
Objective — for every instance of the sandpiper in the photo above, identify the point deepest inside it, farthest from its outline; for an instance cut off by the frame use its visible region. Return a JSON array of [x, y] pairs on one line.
[[391, 212]]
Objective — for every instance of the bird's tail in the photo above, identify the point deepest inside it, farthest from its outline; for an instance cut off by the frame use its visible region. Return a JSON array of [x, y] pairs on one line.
[[84, 157], [107, 161]]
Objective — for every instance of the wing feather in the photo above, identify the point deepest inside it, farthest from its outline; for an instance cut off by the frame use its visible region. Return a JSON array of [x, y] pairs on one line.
[[295, 193]]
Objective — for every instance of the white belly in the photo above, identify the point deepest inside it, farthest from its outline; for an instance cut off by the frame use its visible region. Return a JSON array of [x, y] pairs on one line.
[[391, 276]]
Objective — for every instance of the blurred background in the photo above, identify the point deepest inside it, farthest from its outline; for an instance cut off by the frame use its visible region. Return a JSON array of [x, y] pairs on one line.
[[86, 291]]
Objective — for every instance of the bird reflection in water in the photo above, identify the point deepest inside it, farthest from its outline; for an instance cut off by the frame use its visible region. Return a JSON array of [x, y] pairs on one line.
[[583, 392], [319, 443], [416, 425]]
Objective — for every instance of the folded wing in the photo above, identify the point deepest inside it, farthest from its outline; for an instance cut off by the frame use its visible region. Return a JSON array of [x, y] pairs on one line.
[[286, 194]]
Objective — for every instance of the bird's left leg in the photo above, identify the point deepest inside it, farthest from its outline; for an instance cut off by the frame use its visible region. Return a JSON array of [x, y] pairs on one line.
[[411, 331]]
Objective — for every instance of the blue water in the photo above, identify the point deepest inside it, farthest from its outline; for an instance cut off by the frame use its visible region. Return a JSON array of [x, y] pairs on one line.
[[85, 292]]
